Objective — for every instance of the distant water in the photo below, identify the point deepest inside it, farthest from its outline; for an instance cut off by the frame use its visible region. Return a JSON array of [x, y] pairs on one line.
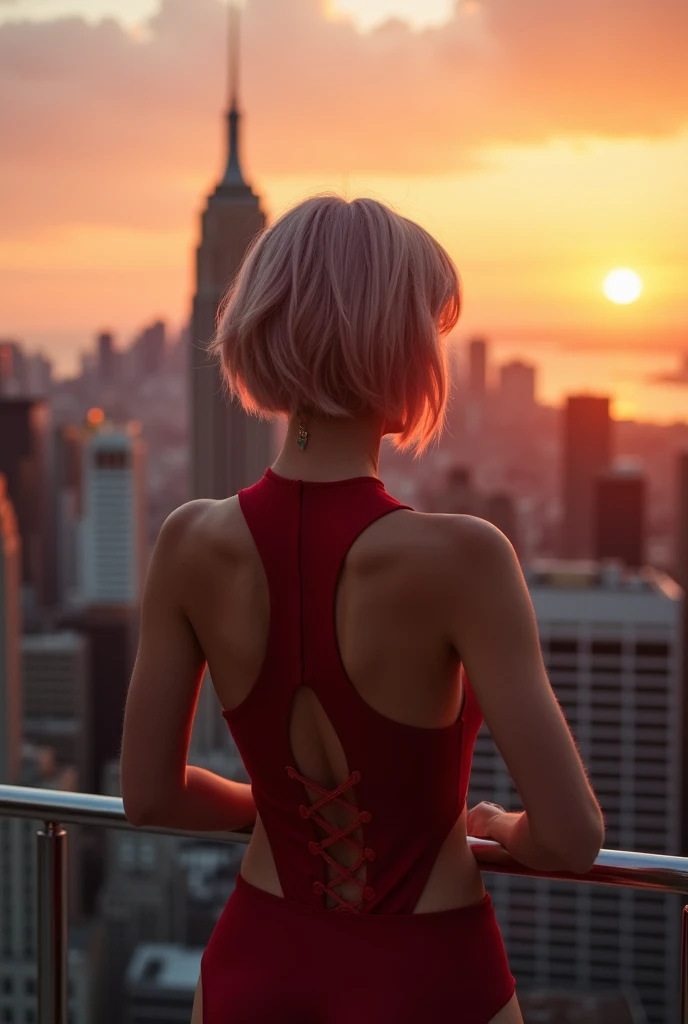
[[625, 375]]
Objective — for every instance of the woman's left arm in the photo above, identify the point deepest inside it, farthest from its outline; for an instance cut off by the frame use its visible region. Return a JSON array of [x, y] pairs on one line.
[[158, 787]]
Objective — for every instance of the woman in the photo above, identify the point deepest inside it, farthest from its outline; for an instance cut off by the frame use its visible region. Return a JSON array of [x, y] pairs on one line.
[[337, 624]]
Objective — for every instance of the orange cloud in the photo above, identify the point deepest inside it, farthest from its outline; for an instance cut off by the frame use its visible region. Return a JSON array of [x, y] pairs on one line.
[[100, 127]]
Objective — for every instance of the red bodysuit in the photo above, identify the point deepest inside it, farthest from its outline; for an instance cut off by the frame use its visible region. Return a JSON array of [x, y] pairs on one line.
[[368, 960]]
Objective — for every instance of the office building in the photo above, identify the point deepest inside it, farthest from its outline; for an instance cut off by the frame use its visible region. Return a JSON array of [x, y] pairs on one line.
[[619, 515], [682, 520], [500, 510], [56, 692], [111, 634], [26, 465], [587, 451], [517, 388], [611, 643], [457, 494], [14, 371], [149, 349], [10, 634], [113, 548], [107, 358], [229, 449], [39, 374], [68, 443], [477, 369]]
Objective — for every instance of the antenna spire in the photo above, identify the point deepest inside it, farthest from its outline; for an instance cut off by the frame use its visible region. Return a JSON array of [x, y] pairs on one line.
[[233, 175], [233, 26]]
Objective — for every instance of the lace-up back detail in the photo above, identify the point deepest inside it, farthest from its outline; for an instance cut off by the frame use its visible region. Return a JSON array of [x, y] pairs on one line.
[[369, 842], [363, 854]]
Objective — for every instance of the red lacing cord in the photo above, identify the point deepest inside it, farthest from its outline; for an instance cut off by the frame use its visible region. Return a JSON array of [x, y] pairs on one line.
[[335, 834]]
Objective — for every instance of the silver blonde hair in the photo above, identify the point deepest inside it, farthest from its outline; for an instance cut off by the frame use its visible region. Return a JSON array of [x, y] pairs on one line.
[[339, 308]]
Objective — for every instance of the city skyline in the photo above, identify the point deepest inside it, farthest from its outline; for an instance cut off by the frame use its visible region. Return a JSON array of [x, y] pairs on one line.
[[536, 208]]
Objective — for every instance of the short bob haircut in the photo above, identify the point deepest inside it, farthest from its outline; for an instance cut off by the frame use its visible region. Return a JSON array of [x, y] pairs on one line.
[[340, 308]]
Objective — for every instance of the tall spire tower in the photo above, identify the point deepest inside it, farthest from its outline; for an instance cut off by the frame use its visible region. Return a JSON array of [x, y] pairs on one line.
[[229, 450]]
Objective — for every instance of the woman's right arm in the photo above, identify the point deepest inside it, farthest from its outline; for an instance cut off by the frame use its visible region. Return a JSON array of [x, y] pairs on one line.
[[494, 630]]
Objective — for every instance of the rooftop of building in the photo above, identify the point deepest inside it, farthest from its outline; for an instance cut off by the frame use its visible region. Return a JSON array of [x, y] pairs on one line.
[[603, 577], [165, 965], [545, 1006], [52, 643]]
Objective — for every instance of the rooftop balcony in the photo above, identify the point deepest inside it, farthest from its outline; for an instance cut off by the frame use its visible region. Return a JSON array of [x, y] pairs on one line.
[[612, 867]]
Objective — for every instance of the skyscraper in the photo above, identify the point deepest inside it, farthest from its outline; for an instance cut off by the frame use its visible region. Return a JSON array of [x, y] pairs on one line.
[[619, 515], [10, 636], [682, 521], [611, 642], [586, 454], [229, 450], [107, 358], [148, 349], [113, 538], [111, 634], [14, 376], [68, 442], [55, 697], [25, 463], [477, 369], [517, 388]]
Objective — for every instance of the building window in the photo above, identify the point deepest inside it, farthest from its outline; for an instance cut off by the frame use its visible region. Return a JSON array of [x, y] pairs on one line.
[[605, 647], [111, 459], [643, 649], [563, 646], [7, 985], [30, 986]]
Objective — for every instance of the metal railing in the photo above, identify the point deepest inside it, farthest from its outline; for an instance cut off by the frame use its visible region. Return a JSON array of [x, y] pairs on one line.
[[54, 808]]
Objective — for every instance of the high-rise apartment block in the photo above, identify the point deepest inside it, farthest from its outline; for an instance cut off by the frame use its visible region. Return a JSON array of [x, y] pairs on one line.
[[619, 516], [56, 696], [611, 642], [587, 451], [113, 547], [10, 634]]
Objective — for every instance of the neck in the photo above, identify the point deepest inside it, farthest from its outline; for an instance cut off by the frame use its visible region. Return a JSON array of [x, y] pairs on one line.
[[337, 448]]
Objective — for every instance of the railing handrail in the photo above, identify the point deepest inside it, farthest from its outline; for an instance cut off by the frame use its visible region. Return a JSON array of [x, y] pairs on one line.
[[613, 867]]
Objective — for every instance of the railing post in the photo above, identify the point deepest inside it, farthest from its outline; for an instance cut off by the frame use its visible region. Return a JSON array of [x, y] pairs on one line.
[[52, 924], [684, 966]]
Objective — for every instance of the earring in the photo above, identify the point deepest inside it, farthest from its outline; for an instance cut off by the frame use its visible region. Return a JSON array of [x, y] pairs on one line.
[[302, 440]]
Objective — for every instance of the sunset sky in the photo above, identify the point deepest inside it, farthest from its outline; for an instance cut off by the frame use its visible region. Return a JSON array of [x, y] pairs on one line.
[[543, 143]]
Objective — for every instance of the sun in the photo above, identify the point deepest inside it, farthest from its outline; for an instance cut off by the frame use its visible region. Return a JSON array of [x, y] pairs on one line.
[[622, 286]]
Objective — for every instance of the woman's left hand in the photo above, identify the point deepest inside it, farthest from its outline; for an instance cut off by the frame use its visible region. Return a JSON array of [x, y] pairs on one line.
[[479, 818]]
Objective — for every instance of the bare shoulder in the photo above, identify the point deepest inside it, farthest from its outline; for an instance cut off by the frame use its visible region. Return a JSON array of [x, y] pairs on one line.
[[461, 540], [200, 526]]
